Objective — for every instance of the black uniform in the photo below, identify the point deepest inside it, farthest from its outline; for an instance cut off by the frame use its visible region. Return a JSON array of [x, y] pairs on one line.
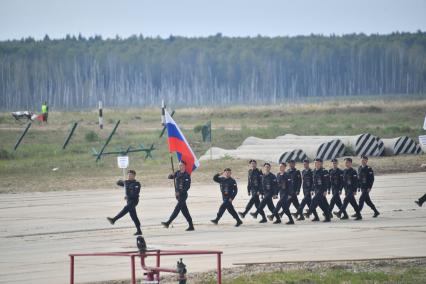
[[182, 184], [269, 190], [350, 184], [336, 181], [308, 189], [285, 189], [254, 188], [321, 186], [366, 181], [229, 189], [133, 188], [296, 181], [421, 200]]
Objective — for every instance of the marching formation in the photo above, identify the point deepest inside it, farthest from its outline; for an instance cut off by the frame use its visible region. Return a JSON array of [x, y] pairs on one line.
[[264, 187]]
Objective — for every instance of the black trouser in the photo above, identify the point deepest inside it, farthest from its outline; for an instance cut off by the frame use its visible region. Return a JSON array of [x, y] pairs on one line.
[[306, 201], [295, 201], [254, 200], [321, 201], [181, 207], [227, 205], [131, 209], [283, 203], [422, 200], [266, 201], [349, 198], [335, 200], [365, 197]]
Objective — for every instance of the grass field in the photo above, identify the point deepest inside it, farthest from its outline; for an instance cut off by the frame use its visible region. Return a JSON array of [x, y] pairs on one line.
[[401, 271], [30, 167], [330, 276], [409, 271]]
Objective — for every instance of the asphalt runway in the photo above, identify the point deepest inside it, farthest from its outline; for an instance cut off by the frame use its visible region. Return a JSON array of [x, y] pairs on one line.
[[39, 230]]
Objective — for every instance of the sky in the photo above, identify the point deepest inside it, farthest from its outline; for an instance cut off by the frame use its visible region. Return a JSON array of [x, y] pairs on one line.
[[200, 18]]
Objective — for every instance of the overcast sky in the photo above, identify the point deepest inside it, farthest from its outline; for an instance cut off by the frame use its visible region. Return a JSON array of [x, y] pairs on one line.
[[35, 18]]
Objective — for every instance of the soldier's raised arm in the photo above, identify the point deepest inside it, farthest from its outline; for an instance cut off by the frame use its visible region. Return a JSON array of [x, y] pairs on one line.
[[216, 177]]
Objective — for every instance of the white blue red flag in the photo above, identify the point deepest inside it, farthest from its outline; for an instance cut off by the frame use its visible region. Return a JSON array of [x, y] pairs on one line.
[[179, 144]]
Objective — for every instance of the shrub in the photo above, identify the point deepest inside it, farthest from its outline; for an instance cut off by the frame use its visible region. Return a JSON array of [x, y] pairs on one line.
[[6, 155], [91, 136], [198, 128]]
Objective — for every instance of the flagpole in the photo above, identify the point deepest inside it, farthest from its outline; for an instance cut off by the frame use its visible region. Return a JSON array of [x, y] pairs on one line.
[[173, 168], [211, 141]]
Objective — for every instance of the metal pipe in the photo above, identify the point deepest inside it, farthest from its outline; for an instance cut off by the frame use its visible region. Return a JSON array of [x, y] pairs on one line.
[[22, 136], [107, 141], [133, 269], [67, 140], [71, 269], [158, 265], [219, 268]]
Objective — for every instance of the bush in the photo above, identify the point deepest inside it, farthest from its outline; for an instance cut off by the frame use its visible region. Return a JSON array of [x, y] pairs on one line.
[[91, 136], [6, 155], [198, 128], [349, 151]]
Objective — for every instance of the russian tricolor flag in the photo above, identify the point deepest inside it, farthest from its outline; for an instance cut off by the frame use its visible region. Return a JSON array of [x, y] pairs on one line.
[[178, 144]]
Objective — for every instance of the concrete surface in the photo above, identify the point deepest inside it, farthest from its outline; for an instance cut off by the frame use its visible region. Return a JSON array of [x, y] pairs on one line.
[[38, 230]]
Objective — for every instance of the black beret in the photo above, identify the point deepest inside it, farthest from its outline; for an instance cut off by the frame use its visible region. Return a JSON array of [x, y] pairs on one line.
[[266, 164], [227, 170], [306, 161], [131, 172], [292, 161], [251, 161], [348, 159], [318, 160], [364, 157], [334, 160]]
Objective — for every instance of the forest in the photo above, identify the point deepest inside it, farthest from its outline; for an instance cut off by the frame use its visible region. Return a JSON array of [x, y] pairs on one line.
[[76, 72]]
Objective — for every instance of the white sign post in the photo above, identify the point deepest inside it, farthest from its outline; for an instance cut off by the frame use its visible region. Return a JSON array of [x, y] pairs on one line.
[[123, 163], [424, 124]]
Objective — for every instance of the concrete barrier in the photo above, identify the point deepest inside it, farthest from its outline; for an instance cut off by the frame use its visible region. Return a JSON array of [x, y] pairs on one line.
[[401, 145]]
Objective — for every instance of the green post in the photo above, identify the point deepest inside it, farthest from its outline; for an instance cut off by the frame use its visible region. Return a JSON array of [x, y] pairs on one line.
[[22, 137], [69, 135], [106, 143]]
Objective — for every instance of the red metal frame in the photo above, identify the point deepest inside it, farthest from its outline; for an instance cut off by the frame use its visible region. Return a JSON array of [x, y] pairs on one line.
[[153, 273]]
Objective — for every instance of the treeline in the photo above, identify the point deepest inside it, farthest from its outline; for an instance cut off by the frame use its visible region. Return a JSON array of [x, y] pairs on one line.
[[76, 72]]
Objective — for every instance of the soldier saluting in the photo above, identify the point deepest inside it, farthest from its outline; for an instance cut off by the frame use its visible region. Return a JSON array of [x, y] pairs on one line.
[[229, 190], [253, 187], [132, 187], [366, 181], [336, 180], [182, 183], [269, 191], [350, 184]]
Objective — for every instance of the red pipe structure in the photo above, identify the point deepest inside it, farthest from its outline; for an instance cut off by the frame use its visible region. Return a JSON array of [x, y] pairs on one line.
[[153, 273]]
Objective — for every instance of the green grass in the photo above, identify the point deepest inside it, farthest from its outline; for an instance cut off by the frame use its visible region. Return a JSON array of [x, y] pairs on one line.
[[331, 276], [40, 151]]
